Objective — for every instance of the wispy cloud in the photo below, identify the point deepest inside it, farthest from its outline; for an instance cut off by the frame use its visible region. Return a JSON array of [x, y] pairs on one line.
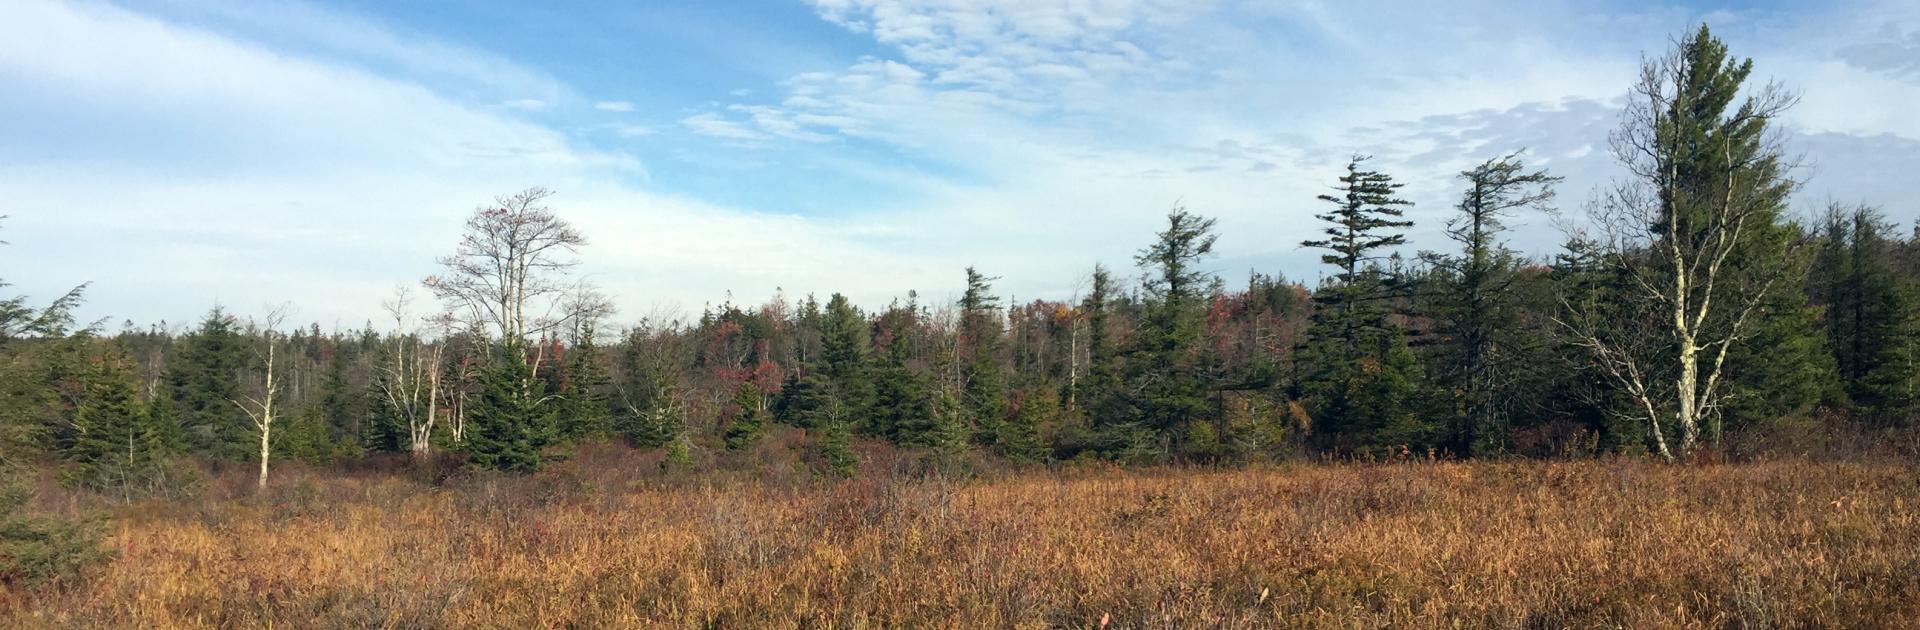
[[1031, 138]]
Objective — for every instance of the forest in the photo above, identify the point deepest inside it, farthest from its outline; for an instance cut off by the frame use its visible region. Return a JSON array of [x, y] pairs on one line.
[[1705, 356]]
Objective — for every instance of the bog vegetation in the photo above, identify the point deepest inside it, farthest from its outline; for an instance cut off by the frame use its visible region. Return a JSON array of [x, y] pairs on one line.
[[496, 453]]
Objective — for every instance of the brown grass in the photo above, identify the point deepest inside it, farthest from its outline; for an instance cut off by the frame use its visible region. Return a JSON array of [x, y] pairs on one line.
[[605, 541]]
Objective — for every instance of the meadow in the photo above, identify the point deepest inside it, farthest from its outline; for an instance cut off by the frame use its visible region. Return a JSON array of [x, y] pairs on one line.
[[607, 539]]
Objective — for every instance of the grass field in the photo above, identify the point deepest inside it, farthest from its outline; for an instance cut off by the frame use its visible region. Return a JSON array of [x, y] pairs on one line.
[[608, 541]]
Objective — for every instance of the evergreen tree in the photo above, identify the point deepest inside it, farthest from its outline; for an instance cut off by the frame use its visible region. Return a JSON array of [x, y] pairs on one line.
[[836, 449], [847, 395], [1022, 437], [586, 412], [1363, 212], [749, 419], [1097, 390], [203, 381], [341, 409], [1362, 376], [1165, 386], [1477, 312], [512, 420], [902, 410], [118, 447], [983, 376], [1874, 317], [802, 396], [307, 438]]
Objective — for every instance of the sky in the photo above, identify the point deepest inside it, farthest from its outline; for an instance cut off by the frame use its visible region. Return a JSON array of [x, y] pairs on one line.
[[179, 154]]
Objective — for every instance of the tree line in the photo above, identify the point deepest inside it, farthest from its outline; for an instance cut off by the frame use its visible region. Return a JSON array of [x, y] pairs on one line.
[[1689, 313]]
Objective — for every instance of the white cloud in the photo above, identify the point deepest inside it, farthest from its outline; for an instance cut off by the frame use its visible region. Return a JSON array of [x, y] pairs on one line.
[[527, 104], [1058, 134], [714, 125], [322, 183], [613, 106]]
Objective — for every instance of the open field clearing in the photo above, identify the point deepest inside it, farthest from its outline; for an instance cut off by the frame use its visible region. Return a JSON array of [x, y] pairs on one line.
[[590, 544]]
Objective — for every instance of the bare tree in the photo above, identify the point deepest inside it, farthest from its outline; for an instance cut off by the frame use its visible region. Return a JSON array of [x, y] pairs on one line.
[[508, 270], [410, 383], [260, 409], [1690, 234]]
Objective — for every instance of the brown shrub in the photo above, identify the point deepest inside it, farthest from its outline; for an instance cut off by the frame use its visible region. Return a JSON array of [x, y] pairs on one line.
[[606, 540]]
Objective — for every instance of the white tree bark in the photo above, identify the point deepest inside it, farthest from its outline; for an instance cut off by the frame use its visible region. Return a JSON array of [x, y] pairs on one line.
[[260, 409]]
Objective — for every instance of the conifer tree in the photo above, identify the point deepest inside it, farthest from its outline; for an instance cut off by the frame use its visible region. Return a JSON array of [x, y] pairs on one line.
[[118, 447], [1364, 213], [203, 381], [836, 448], [1097, 390], [902, 411], [848, 392], [1361, 377], [749, 422], [1022, 437], [1697, 231], [1477, 310], [1164, 386], [586, 412], [984, 378], [1874, 325], [512, 420]]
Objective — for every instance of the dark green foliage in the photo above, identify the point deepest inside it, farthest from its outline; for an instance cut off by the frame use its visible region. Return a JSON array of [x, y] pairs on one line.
[[585, 411], [1363, 213], [1165, 386], [341, 409], [1022, 438], [1873, 315], [902, 407], [1782, 370], [842, 389], [749, 422], [203, 381], [801, 398], [117, 447], [39, 552], [984, 378], [1361, 380], [1477, 314], [512, 421], [308, 437], [836, 449]]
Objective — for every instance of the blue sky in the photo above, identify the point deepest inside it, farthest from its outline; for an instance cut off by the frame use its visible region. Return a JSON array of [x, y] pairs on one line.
[[179, 153]]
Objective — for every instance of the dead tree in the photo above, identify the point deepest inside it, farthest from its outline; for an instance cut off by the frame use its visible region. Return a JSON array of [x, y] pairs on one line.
[[260, 409]]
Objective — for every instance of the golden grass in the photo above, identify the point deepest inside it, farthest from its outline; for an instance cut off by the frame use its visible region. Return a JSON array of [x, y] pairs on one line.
[[605, 542]]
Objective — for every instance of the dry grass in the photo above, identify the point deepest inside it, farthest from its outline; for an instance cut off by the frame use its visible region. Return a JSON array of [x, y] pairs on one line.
[[606, 542]]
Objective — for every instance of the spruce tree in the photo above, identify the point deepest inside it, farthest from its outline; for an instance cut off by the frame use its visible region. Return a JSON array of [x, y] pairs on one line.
[[203, 381], [118, 447], [512, 420], [836, 449], [1477, 314], [1022, 437], [749, 422], [1165, 387], [848, 392], [1097, 391], [1364, 213], [586, 412], [983, 376], [902, 411], [1361, 376], [1874, 317]]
